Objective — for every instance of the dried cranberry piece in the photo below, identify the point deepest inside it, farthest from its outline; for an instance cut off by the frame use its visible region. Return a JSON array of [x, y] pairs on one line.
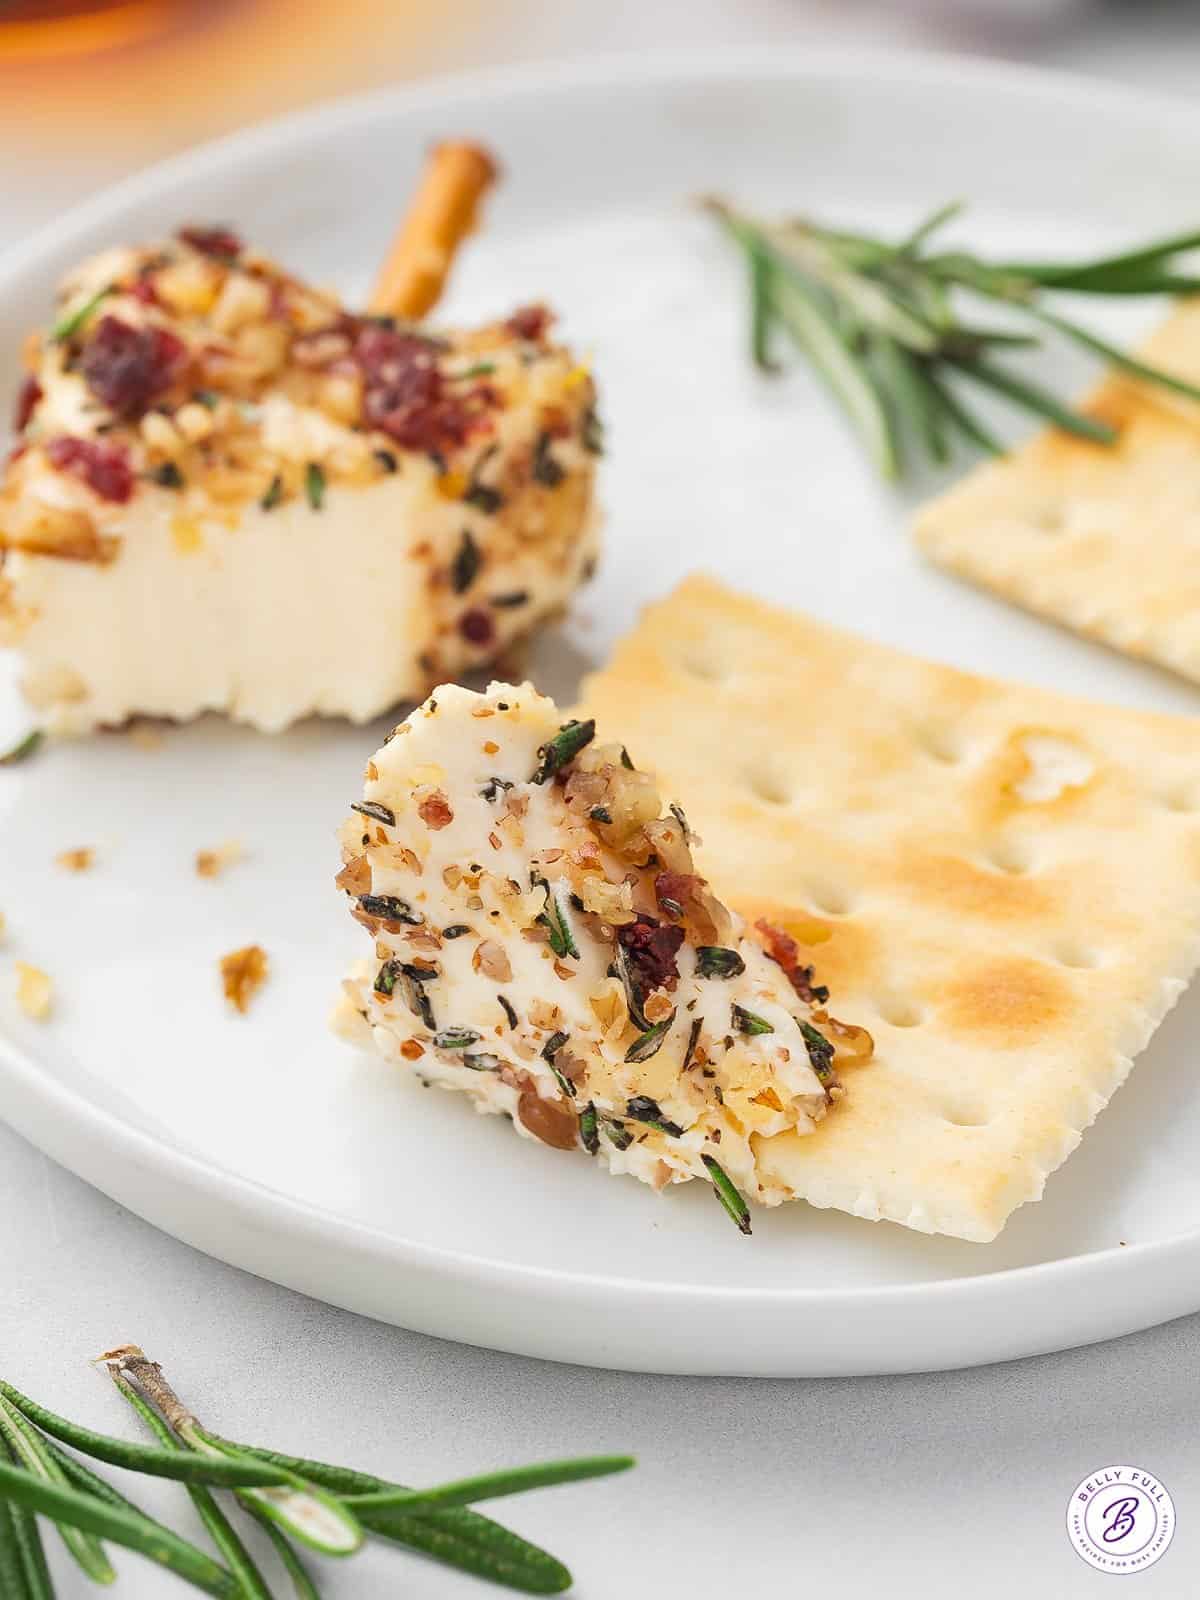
[[651, 948], [405, 396], [128, 368], [103, 465], [222, 243], [476, 626], [28, 396], [142, 288], [784, 950], [530, 322]]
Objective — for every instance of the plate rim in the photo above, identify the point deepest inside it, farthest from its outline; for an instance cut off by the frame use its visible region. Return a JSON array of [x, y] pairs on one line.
[[62, 1121]]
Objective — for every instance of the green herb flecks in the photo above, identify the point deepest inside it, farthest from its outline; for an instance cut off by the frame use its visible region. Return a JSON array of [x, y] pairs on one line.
[[554, 920], [23, 749], [167, 475], [482, 495], [693, 1040], [467, 562], [481, 1061], [592, 434], [820, 1053], [481, 369], [878, 321], [645, 1108], [389, 908], [378, 813], [600, 814], [549, 1052], [386, 461], [208, 398], [494, 787], [455, 930], [314, 485], [455, 1038], [508, 1009], [74, 321], [715, 961], [727, 1193], [546, 470], [623, 968], [749, 1022], [509, 602], [589, 1128], [273, 493], [560, 751], [618, 1134]]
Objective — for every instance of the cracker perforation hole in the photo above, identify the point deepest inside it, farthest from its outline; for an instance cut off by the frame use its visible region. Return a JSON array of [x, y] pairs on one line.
[[705, 667], [1076, 954], [770, 787], [899, 1011], [964, 1113], [1182, 798], [1013, 856], [829, 899], [944, 745]]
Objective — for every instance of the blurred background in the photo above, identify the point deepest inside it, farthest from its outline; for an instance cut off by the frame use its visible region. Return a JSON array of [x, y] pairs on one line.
[[93, 89]]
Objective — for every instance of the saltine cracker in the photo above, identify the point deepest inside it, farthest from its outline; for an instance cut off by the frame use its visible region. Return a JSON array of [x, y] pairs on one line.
[[1001, 883]]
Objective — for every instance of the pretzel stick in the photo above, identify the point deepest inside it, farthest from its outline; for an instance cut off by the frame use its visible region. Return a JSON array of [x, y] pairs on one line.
[[457, 176]]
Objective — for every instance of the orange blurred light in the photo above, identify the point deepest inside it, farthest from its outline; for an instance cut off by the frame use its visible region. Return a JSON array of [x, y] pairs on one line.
[[38, 32]]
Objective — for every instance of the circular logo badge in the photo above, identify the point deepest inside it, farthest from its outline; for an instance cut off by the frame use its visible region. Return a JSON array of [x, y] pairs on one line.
[[1120, 1519]]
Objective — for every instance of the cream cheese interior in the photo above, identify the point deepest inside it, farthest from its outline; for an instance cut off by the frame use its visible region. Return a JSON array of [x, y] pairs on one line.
[[502, 911]]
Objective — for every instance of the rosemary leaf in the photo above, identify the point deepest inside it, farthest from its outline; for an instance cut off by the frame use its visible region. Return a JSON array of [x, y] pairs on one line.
[[455, 1536], [66, 1505], [140, 1457], [251, 1583], [1118, 358], [1054, 273], [27, 1449], [36, 1572], [492, 1485], [302, 1585], [728, 1194], [23, 749], [1038, 400], [14, 1579], [302, 1510], [850, 382], [970, 428], [72, 322]]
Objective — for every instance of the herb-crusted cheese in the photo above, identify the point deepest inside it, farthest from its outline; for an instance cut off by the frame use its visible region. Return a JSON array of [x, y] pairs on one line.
[[231, 494], [543, 943]]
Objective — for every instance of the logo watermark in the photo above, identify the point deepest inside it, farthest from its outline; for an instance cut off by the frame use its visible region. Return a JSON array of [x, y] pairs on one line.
[[1120, 1519]]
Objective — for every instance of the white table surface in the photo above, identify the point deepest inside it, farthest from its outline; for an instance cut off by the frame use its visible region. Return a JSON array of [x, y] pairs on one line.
[[913, 1486]]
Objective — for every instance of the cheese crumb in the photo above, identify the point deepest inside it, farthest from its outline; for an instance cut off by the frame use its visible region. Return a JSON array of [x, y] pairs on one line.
[[35, 991], [211, 863], [80, 860], [243, 973]]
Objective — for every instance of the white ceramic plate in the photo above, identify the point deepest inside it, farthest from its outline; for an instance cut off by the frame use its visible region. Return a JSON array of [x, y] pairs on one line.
[[263, 1140]]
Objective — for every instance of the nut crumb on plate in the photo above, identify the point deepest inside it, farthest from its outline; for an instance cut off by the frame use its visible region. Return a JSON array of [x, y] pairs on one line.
[[35, 991], [211, 863], [243, 973], [81, 859]]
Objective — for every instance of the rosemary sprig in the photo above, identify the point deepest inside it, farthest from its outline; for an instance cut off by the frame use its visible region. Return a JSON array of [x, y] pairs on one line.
[[27, 1450], [313, 1503], [251, 1583], [878, 322]]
